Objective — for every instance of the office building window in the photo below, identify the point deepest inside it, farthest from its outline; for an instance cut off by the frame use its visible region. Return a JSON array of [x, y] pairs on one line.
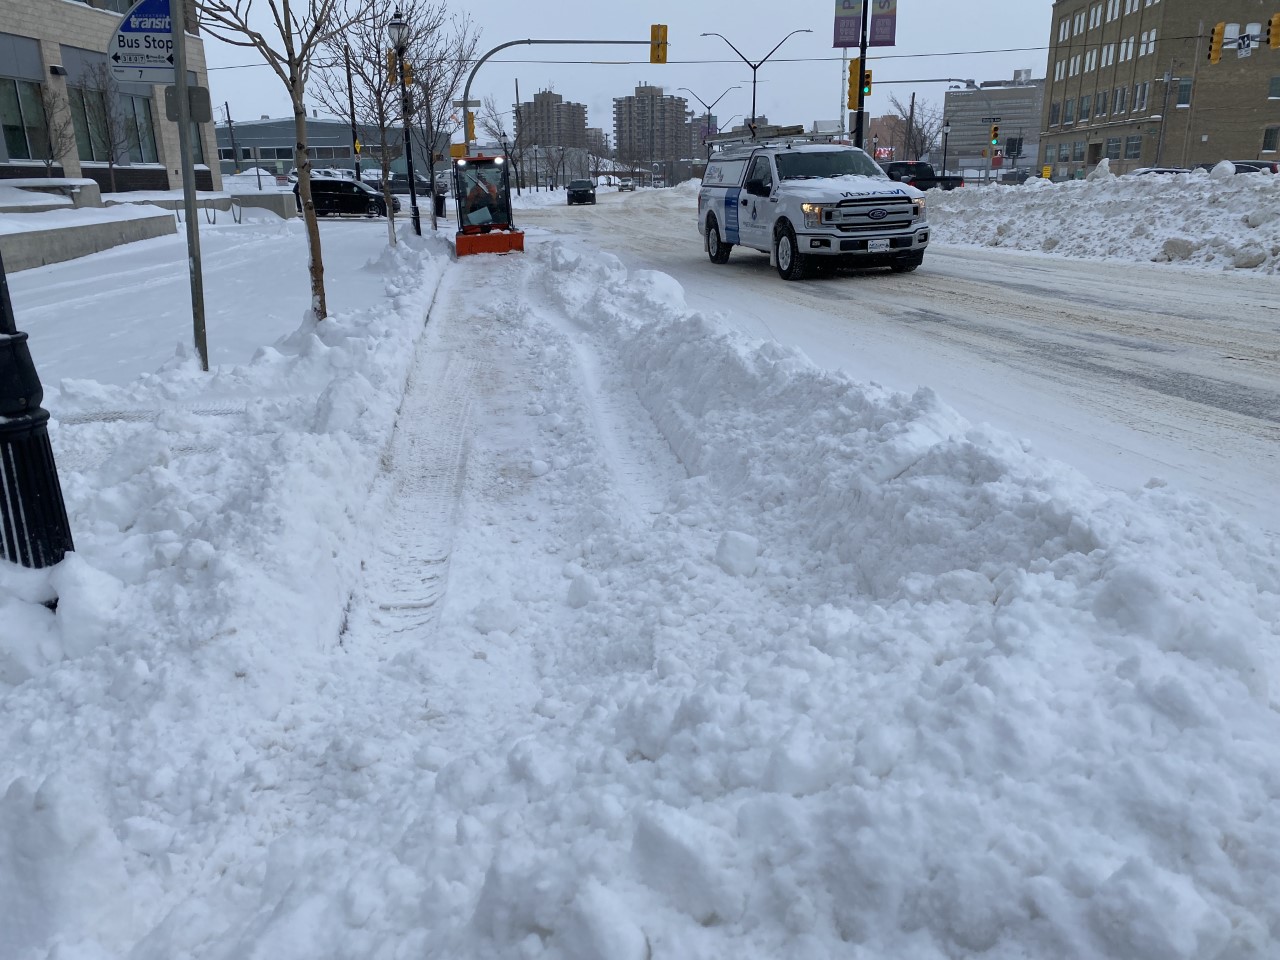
[[1270, 137], [1077, 150], [1069, 112], [1091, 60], [1184, 92], [1100, 108], [1113, 148], [88, 113], [1113, 9], [139, 130], [1140, 91], [1064, 152], [22, 117], [1064, 29], [1133, 148], [1118, 104], [1095, 16], [1148, 43], [1055, 114], [1273, 91], [1086, 103]]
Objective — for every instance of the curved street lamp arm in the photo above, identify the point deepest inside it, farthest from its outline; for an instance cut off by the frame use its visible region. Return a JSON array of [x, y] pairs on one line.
[[736, 50], [719, 98], [780, 43]]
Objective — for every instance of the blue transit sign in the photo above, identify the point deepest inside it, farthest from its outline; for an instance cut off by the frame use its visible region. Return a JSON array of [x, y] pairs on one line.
[[141, 49]]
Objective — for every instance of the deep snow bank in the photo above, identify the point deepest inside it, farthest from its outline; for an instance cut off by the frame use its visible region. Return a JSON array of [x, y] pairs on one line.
[[1227, 222]]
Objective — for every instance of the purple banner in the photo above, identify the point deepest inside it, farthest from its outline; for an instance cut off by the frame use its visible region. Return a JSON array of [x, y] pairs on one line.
[[884, 24], [848, 24]]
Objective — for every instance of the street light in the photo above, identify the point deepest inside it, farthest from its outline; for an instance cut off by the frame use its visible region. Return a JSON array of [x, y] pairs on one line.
[[398, 34], [707, 126], [755, 66], [946, 132]]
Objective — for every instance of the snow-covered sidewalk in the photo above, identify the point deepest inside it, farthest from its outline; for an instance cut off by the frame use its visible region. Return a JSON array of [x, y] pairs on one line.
[[573, 625]]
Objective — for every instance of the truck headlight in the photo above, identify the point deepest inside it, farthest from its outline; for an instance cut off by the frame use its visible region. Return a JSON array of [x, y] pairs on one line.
[[918, 203], [812, 214]]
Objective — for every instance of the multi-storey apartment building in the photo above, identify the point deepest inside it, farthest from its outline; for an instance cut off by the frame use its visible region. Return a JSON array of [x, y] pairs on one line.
[[652, 129], [1130, 80], [551, 121], [54, 80]]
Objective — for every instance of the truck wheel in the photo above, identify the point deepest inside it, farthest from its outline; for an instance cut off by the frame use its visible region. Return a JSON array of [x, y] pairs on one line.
[[791, 263], [717, 249]]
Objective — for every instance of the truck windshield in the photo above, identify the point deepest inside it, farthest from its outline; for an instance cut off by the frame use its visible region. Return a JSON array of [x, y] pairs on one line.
[[826, 163]]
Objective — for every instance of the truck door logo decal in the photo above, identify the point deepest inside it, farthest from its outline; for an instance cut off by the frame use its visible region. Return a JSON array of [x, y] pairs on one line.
[[731, 215]]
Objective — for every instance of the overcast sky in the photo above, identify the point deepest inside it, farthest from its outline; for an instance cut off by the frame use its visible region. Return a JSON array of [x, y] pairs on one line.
[[802, 82]]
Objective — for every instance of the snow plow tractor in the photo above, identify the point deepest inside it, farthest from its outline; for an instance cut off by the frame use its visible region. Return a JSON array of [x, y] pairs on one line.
[[482, 192]]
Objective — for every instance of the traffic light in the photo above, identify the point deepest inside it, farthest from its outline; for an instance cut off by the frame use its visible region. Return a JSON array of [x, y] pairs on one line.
[[1215, 42], [393, 77], [471, 126], [855, 74], [995, 135], [1273, 32], [658, 43], [866, 83], [408, 73]]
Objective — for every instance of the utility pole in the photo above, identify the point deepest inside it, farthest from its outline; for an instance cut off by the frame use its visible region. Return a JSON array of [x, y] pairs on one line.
[[177, 16], [911, 131], [231, 130]]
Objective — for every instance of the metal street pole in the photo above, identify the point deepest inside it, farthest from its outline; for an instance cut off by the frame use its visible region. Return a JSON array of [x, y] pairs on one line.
[[398, 33], [756, 66], [859, 135], [946, 132], [177, 15], [351, 103], [709, 106], [34, 530]]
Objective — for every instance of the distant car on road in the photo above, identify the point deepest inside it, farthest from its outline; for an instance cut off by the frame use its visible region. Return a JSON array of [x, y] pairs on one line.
[[1245, 166], [581, 191], [626, 183], [1148, 171]]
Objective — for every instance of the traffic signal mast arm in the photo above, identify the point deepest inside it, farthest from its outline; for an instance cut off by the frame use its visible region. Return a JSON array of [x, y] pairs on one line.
[[466, 94]]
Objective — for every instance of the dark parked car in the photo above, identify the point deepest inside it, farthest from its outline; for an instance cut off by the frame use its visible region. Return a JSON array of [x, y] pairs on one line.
[[346, 196], [581, 191]]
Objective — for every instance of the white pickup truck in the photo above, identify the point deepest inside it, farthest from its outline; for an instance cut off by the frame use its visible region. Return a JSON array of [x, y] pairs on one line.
[[811, 206]]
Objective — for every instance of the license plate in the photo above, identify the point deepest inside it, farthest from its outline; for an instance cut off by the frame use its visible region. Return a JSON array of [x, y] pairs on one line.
[[877, 246]]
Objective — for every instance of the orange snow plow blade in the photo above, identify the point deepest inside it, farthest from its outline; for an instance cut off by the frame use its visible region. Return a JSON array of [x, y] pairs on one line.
[[496, 241]]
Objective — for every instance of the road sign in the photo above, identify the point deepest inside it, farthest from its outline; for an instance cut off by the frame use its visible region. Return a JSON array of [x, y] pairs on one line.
[[141, 49], [990, 119], [466, 103]]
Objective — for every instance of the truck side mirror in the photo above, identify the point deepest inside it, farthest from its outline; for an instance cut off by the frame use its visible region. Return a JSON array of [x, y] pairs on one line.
[[756, 188], [895, 175]]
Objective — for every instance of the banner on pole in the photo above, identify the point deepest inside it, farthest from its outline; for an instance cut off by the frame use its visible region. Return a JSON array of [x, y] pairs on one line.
[[883, 31], [884, 24]]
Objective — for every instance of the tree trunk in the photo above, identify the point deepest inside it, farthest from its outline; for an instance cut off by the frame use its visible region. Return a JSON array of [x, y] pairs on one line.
[[319, 307]]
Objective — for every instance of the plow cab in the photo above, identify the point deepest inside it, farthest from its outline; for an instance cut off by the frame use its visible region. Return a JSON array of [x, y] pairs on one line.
[[482, 192]]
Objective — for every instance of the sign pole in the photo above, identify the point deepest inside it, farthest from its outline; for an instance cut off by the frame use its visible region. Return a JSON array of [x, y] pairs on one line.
[[178, 20]]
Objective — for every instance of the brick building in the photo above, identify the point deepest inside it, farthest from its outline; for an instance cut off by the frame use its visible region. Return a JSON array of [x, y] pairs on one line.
[[1130, 80], [53, 75]]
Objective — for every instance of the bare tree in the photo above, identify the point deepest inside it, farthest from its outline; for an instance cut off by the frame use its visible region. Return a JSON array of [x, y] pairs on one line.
[[290, 44], [492, 121], [917, 129], [109, 131], [441, 69], [58, 135]]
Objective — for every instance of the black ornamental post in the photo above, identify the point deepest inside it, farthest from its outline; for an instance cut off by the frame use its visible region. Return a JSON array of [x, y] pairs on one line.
[[34, 531]]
